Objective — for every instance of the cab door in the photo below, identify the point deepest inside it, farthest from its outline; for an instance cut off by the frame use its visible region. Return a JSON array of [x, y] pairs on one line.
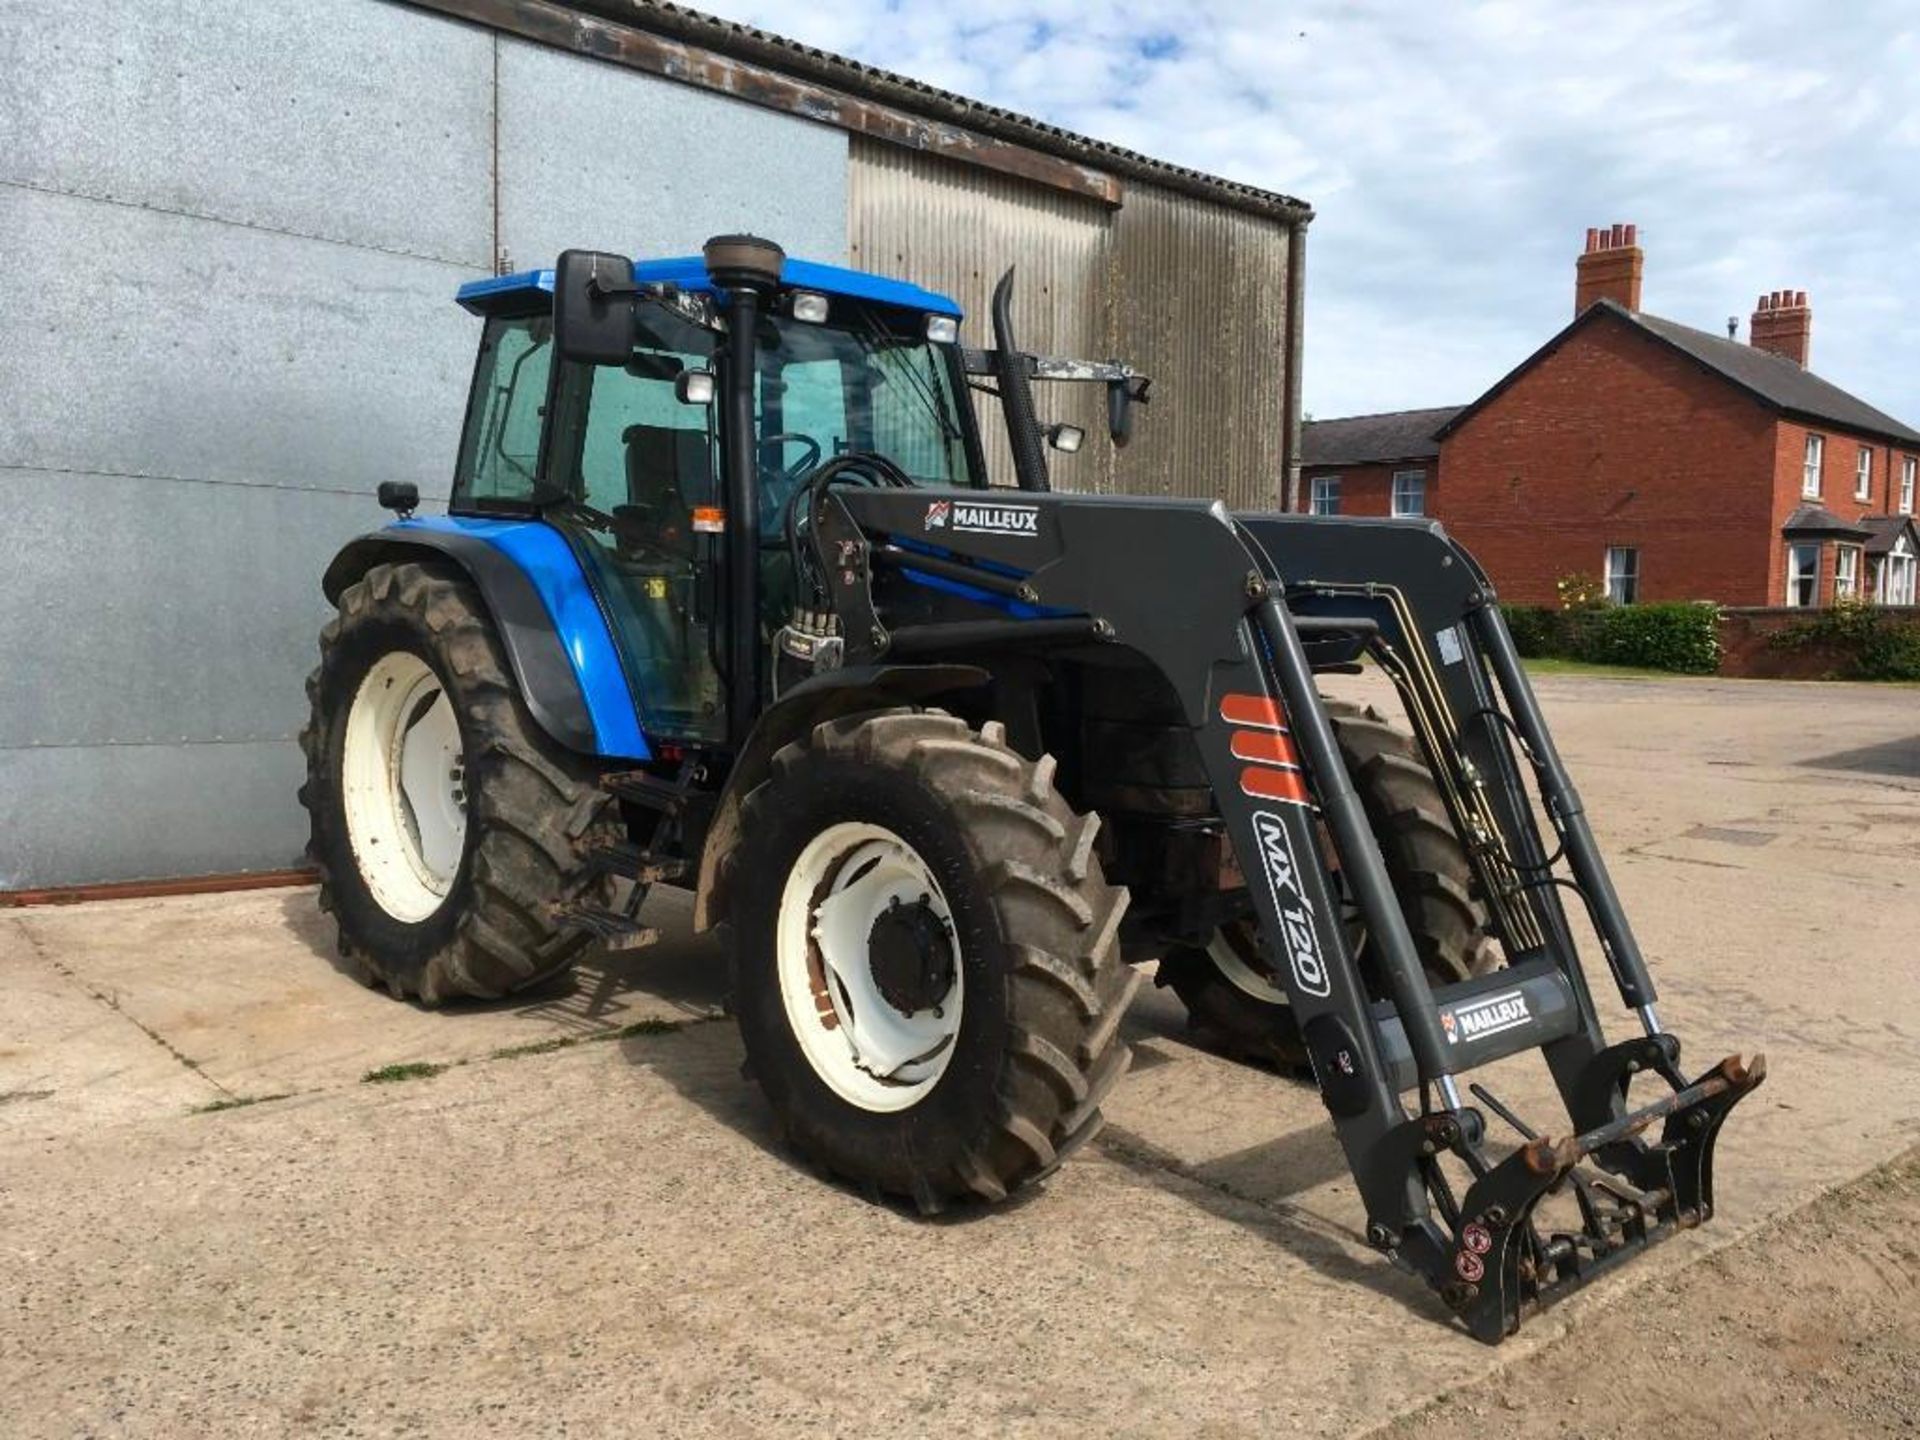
[[642, 470]]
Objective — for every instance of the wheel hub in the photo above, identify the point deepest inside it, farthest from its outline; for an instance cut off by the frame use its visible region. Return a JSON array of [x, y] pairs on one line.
[[910, 953], [869, 966], [403, 786]]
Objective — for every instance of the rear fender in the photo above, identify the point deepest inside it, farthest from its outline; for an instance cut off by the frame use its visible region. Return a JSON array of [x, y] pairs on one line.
[[592, 713], [850, 691]]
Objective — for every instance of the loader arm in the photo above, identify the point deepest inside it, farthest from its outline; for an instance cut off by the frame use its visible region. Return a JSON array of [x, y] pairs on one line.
[[1224, 609]]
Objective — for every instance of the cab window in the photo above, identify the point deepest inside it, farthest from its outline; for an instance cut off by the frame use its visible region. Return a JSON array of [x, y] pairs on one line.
[[868, 381], [500, 450]]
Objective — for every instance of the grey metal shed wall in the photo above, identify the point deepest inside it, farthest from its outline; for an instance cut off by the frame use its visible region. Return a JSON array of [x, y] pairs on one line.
[[233, 236], [1191, 292]]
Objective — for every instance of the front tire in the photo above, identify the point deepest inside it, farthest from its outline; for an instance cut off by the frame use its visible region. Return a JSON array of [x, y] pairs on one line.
[[443, 822], [926, 968], [1235, 1006]]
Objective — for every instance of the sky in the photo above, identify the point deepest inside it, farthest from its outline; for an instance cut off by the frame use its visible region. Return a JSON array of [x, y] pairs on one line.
[[1456, 153]]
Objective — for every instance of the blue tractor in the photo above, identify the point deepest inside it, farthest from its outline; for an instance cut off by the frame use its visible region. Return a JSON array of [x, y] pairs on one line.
[[724, 600]]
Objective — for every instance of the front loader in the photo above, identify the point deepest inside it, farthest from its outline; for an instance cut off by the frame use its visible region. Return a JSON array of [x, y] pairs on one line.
[[723, 600]]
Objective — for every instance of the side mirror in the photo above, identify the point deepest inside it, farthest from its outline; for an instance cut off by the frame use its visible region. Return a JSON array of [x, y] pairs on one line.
[[693, 387], [400, 496], [1119, 413], [593, 296]]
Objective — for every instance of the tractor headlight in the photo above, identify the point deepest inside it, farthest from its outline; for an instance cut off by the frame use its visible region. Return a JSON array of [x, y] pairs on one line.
[[810, 307], [942, 329]]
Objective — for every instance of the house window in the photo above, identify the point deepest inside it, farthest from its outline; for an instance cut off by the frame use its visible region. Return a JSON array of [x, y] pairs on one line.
[[1326, 494], [1897, 577], [1863, 475], [1846, 572], [1623, 574], [1803, 574], [1810, 471], [1409, 492], [1907, 469]]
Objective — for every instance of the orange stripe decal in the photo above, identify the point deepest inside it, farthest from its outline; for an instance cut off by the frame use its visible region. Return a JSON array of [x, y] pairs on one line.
[[1255, 710], [1265, 747], [1266, 784]]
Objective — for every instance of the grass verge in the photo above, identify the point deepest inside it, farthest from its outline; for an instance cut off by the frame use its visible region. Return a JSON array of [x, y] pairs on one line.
[[1552, 665]]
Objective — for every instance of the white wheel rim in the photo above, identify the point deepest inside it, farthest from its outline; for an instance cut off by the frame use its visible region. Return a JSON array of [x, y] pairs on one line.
[[1239, 974], [865, 1050], [403, 787]]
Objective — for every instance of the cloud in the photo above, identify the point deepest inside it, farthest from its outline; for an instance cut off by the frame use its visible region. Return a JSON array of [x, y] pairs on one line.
[[1457, 153]]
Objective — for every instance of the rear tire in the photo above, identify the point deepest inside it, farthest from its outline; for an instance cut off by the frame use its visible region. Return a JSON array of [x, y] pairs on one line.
[[472, 920], [1018, 1035], [1241, 1012]]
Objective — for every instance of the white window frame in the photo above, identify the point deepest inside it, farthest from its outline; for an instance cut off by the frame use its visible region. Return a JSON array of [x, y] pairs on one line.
[[1809, 575], [1863, 474], [1909, 468], [1810, 466], [1413, 477], [1622, 572], [1899, 575], [1846, 572], [1324, 495]]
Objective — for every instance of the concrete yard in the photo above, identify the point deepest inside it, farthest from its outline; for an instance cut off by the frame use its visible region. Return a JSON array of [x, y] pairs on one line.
[[604, 1237]]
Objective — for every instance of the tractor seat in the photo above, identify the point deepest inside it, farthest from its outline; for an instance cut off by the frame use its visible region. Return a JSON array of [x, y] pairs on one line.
[[667, 470]]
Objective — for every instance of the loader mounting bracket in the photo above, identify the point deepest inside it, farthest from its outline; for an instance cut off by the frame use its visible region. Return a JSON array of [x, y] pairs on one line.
[[1497, 1266]]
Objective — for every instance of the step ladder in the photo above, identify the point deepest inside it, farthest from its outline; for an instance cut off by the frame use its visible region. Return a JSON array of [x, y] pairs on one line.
[[642, 865]]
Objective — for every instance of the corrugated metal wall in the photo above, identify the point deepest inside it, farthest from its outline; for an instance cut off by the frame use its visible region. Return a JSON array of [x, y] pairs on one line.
[[1192, 293], [233, 234]]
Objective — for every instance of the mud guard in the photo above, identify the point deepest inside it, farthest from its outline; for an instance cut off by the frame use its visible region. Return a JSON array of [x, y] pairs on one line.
[[822, 697], [527, 632]]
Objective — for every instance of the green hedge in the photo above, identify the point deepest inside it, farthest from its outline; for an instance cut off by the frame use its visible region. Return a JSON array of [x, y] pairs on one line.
[[1536, 629], [1872, 644], [1682, 636]]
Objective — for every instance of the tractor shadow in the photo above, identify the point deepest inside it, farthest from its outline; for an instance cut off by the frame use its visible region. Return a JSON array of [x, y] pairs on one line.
[[704, 1062], [664, 1007], [682, 978], [1268, 1188], [1253, 1188]]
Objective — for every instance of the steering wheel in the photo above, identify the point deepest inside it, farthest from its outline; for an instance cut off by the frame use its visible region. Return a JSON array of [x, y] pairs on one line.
[[806, 462]]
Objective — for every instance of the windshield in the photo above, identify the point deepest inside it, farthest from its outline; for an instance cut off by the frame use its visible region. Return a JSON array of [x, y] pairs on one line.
[[863, 383]]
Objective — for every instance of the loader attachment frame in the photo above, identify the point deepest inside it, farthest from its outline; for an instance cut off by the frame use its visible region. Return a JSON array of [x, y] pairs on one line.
[[1247, 609]]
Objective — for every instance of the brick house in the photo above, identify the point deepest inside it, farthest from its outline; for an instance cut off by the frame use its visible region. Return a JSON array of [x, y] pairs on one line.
[[1373, 464], [1674, 464]]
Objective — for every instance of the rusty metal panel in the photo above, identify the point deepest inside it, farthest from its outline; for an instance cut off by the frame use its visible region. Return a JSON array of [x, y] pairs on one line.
[[955, 228], [1191, 292], [1199, 303]]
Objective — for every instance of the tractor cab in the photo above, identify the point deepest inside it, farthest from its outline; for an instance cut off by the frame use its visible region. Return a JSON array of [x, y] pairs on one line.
[[622, 439]]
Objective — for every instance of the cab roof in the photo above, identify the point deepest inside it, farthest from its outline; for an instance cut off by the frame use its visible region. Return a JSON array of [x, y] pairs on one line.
[[689, 272]]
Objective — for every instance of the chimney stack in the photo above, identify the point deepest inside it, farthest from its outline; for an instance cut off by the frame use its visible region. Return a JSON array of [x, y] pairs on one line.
[[1783, 323], [1609, 269]]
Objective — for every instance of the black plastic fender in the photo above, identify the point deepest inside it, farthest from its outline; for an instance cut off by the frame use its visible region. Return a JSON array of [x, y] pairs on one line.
[[837, 692], [539, 660]]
